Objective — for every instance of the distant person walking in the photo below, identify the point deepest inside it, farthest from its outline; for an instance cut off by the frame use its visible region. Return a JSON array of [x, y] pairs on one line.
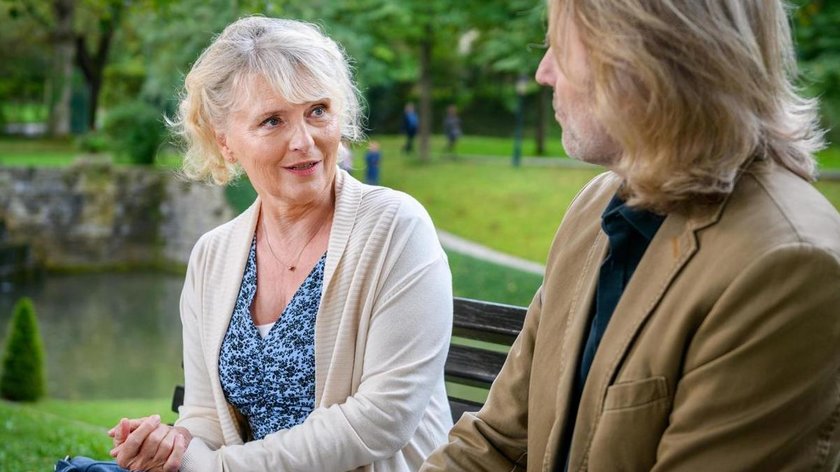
[[372, 158], [452, 128], [410, 124]]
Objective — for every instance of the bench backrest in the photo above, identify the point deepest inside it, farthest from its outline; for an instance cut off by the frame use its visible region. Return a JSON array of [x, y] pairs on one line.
[[482, 332]]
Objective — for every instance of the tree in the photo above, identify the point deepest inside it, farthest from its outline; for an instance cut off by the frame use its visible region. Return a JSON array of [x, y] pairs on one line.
[[169, 38], [57, 19], [68, 25], [23, 360], [107, 15], [511, 35], [24, 68], [397, 40]]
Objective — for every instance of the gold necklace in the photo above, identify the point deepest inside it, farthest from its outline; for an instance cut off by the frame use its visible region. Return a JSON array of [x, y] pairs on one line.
[[291, 267]]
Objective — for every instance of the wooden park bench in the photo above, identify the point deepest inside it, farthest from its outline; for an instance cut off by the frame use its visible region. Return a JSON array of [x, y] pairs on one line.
[[482, 332]]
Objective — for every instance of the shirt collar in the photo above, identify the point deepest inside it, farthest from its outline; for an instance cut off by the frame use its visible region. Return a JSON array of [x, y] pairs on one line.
[[645, 223]]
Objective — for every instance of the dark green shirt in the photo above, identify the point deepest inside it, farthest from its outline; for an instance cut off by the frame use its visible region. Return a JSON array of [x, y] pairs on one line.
[[629, 231]]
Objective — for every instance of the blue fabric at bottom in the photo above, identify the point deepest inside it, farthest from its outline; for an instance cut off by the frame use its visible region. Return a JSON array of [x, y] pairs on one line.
[[86, 464]]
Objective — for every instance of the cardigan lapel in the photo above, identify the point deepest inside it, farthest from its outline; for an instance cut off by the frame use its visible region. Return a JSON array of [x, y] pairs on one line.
[[348, 195], [670, 250], [220, 310]]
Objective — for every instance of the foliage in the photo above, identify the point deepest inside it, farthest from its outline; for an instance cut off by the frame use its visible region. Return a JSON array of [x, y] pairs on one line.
[[817, 30], [92, 142], [168, 37], [23, 360], [135, 130], [24, 67]]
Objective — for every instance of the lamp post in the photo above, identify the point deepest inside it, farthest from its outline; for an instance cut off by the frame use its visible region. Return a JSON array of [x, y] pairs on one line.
[[521, 88]]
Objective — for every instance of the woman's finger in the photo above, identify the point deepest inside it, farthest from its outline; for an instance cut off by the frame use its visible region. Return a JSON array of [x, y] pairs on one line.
[[124, 428], [129, 449], [165, 447], [173, 464], [145, 457]]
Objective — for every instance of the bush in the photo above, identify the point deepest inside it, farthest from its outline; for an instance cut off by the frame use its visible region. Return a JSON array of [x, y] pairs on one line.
[[92, 142], [23, 360], [134, 130]]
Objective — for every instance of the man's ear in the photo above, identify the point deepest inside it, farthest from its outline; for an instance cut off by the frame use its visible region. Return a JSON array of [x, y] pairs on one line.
[[221, 142]]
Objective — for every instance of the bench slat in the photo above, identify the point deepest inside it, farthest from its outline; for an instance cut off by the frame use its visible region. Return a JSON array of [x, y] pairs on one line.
[[485, 321], [459, 407], [473, 366], [177, 397]]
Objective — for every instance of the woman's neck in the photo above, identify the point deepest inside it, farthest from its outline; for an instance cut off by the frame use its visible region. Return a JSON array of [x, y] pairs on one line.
[[292, 220]]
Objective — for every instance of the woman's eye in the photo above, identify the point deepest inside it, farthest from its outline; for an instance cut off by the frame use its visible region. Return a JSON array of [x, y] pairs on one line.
[[271, 122], [319, 111]]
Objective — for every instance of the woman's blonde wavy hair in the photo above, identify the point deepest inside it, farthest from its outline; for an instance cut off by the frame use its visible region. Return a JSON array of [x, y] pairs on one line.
[[296, 58], [691, 90]]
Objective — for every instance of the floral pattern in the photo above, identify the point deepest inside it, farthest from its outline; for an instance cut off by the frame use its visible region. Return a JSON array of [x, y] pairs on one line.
[[271, 380]]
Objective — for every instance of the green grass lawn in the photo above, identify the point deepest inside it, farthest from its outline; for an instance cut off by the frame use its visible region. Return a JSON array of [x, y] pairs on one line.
[[36, 152], [33, 436], [829, 159]]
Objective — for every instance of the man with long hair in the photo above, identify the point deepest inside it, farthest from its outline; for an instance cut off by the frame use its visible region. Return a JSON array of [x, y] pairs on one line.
[[689, 318]]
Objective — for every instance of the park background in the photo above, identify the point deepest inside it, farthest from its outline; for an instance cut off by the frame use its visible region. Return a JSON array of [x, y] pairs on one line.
[[84, 85]]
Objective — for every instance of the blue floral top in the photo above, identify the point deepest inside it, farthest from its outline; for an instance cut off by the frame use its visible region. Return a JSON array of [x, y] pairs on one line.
[[271, 380]]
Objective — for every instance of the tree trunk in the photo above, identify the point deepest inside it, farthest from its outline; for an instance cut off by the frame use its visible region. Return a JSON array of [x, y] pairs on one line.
[[539, 135], [93, 65], [62, 75], [425, 92]]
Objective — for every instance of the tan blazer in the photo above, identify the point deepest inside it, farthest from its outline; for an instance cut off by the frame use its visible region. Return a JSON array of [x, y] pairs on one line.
[[723, 353]]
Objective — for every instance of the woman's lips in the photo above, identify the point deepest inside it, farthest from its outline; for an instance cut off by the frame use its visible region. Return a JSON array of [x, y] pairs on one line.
[[303, 168]]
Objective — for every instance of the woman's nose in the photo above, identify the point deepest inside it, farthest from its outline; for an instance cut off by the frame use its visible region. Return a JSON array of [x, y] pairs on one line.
[[301, 139]]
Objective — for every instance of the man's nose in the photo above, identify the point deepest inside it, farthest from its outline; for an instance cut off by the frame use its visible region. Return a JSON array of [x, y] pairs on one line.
[[545, 72]]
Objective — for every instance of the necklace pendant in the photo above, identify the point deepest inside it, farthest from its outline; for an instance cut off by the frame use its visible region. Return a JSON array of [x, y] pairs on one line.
[[291, 268]]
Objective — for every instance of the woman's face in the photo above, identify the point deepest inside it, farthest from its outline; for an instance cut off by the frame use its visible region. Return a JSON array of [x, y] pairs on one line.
[[288, 150]]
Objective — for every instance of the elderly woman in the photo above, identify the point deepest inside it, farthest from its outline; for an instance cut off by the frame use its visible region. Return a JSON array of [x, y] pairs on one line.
[[316, 323]]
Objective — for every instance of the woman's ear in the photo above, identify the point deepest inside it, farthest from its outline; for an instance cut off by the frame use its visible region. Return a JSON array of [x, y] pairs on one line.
[[221, 142]]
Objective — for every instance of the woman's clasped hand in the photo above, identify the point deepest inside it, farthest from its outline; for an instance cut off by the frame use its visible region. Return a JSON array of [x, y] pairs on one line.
[[148, 444]]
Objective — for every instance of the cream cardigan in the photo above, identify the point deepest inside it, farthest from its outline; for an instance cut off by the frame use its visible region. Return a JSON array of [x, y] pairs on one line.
[[381, 338]]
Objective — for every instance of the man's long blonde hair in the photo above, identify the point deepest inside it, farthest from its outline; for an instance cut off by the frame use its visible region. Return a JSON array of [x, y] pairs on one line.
[[691, 89]]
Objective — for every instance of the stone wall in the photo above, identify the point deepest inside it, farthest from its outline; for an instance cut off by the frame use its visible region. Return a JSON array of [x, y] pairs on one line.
[[93, 214]]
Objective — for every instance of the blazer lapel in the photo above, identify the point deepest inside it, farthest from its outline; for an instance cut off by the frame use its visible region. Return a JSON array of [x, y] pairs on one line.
[[570, 283], [670, 250], [570, 346]]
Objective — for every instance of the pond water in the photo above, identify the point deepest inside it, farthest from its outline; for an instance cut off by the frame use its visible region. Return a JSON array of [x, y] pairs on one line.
[[106, 335]]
